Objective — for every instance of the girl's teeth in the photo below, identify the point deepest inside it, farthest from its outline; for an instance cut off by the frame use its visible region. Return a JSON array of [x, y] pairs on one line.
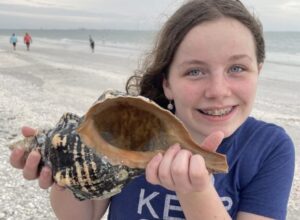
[[217, 112]]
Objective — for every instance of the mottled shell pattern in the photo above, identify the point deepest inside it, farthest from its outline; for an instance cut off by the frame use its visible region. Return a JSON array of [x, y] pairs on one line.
[[96, 155]]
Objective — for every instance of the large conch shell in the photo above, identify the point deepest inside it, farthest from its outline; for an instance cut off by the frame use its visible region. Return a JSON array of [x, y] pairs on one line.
[[97, 154]]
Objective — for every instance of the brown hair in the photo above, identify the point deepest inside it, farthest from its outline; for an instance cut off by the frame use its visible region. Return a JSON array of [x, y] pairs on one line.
[[148, 80]]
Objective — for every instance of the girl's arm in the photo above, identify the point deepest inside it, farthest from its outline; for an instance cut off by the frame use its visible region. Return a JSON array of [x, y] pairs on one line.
[[67, 207]]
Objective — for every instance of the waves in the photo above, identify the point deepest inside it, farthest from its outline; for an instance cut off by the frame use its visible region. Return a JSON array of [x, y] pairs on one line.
[[282, 47], [283, 58]]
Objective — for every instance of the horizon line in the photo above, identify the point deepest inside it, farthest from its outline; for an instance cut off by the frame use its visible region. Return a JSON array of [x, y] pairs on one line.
[[113, 29]]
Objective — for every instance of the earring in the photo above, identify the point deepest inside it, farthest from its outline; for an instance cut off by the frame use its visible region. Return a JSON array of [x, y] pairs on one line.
[[170, 105]]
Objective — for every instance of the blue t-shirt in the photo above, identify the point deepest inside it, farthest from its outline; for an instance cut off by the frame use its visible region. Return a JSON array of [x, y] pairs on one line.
[[261, 160], [13, 39]]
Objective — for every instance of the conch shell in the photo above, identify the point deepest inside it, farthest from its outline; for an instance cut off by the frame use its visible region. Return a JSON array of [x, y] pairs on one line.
[[96, 155]]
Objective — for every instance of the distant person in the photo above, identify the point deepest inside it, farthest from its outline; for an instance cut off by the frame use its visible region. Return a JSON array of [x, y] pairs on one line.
[[13, 40], [92, 44], [27, 40]]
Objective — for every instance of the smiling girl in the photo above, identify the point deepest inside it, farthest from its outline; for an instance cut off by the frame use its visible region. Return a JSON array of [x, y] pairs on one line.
[[204, 68]]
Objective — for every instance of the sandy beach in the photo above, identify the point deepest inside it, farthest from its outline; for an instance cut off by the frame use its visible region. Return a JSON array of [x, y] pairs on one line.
[[38, 86]]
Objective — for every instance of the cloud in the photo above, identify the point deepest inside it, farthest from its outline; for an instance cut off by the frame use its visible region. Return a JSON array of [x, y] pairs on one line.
[[135, 14], [291, 6], [276, 15], [37, 3]]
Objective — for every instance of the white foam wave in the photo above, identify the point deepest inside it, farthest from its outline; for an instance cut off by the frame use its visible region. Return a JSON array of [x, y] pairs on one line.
[[283, 58]]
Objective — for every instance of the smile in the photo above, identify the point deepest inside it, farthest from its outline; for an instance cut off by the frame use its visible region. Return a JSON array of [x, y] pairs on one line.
[[217, 112]]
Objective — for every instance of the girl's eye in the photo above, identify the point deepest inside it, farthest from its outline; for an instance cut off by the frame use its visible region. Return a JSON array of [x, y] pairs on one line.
[[236, 69], [194, 72]]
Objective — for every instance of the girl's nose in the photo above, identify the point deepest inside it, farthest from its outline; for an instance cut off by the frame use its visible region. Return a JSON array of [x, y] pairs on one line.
[[217, 86]]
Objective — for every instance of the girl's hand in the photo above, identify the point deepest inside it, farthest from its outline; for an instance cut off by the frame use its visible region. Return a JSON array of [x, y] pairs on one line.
[[181, 171], [30, 164]]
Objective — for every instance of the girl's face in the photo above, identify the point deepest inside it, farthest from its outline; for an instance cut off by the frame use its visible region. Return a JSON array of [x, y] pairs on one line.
[[213, 77]]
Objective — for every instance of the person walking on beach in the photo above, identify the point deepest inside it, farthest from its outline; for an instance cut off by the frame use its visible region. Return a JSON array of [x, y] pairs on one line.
[[204, 68], [92, 43], [13, 40], [27, 40]]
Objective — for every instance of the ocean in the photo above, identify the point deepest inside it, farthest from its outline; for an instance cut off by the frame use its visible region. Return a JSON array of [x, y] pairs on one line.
[[60, 74], [281, 47]]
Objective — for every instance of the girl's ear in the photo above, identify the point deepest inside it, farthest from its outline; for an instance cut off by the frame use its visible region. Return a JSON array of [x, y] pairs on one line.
[[260, 67], [167, 89]]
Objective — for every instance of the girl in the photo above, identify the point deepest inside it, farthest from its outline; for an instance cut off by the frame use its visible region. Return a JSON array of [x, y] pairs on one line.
[[204, 68]]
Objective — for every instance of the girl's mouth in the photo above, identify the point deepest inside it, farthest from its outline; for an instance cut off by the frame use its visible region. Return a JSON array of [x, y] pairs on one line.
[[220, 112]]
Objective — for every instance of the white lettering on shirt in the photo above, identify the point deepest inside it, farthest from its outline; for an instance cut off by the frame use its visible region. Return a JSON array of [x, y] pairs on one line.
[[146, 201], [169, 207]]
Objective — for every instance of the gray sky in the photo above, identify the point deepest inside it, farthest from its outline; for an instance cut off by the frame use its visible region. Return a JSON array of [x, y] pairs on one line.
[[127, 14]]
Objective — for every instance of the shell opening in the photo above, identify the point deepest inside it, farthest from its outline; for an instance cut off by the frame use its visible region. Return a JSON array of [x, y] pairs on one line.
[[127, 127]]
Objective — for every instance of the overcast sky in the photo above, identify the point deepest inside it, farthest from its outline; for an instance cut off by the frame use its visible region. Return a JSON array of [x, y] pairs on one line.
[[127, 14]]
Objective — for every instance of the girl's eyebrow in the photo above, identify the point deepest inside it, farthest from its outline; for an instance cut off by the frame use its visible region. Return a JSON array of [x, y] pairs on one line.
[[194, 61], [240, 56], [200, 62]]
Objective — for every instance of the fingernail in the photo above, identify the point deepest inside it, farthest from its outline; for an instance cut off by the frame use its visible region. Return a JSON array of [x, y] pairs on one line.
[[18, 151], [175, 147], [157, 157], [45, 172]]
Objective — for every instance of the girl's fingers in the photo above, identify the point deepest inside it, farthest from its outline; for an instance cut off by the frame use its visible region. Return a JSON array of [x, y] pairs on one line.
[[198, 173], [45, 179], [180, 170], [152, 169], [30, 170], [164, 170], [28, 131], [17, 159], [213, 141]]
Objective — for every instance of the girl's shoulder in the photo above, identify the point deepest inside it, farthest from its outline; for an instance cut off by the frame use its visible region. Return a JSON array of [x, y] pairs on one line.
[[261, 130], [257, 140], [261, 140]]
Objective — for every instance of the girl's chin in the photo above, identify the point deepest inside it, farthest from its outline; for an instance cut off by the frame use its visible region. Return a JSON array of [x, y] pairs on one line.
[[226, 131]]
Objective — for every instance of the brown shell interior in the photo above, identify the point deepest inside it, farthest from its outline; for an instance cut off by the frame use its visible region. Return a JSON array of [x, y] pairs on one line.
[[131, 130]]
